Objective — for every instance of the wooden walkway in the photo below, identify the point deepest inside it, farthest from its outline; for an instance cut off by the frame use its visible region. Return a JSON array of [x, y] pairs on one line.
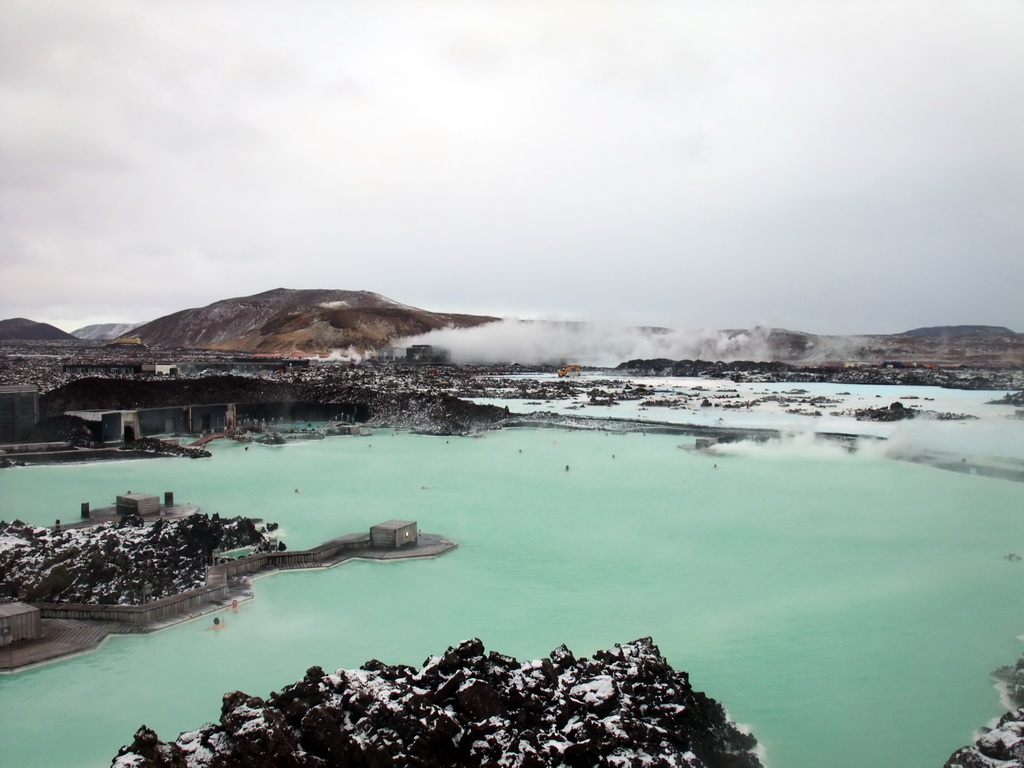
[[65, 637], [204, 440]]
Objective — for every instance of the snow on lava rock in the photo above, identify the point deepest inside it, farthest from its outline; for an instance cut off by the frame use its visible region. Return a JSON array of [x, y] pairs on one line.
[[1000, 746], [110, 564], [624, 707]]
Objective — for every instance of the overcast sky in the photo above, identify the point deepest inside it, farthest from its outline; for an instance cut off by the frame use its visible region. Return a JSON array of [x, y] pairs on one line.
[[831, 166]]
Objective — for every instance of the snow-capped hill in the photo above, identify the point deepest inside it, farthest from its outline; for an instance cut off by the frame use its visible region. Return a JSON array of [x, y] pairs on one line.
[[104, 331]]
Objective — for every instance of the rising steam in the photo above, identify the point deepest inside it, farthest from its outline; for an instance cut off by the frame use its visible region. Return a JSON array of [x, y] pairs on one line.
[[554, 343]]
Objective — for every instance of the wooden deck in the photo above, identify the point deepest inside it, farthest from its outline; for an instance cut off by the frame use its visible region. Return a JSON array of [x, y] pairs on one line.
[[61, 637]]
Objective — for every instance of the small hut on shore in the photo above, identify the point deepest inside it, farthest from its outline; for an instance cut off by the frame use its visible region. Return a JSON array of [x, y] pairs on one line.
[[19, 622], [394, 534], [138, 503]]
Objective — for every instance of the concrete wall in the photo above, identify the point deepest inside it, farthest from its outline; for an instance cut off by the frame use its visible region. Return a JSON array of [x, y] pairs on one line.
[[161, 421]]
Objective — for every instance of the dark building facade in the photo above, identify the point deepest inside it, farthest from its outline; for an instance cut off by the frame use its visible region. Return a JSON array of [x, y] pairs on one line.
[[106, 368], [111, 426], [19, 412]]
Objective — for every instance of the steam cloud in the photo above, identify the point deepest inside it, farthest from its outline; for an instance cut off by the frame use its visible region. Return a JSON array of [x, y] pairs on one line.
[[536, 342]]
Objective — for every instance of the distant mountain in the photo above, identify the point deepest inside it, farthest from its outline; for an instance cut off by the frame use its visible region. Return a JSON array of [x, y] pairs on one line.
[[321, 320], [22, 329], [808, 349], [104, 331], [958, 330], [285, 320], [995, 346]]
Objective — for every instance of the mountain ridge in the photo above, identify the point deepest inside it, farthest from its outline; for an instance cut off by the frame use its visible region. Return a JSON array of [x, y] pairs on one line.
[[23, 329], [321, 320], [104, 331], [302, 320], [956, 330]]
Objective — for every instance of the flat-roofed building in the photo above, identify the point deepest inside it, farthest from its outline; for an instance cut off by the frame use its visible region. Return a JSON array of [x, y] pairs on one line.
[[139, 503], [394, 534], [426, 353], [19, 622], [104, 367]]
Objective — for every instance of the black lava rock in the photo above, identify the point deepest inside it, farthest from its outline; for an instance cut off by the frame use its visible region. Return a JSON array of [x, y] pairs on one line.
[[624, 707]]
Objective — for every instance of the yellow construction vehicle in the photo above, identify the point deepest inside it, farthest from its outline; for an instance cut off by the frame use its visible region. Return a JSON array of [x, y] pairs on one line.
[[570, 370]]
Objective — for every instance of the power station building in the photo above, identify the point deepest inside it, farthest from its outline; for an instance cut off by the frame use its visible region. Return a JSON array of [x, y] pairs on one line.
[[417, 354]]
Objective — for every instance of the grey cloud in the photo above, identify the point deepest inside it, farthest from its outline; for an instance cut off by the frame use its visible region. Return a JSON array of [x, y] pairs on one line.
[[689, 163]]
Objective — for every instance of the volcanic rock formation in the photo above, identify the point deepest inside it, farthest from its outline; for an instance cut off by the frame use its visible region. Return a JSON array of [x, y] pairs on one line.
[[624, 707], [999, 746], [110, 563]]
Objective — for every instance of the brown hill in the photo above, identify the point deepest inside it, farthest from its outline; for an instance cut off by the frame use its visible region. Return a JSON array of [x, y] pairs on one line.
[[22, 329], [998, 348], [955, 345], [285, 320]]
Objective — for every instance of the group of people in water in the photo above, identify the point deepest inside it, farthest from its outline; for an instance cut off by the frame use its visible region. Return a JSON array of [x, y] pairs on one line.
[[219, 623]]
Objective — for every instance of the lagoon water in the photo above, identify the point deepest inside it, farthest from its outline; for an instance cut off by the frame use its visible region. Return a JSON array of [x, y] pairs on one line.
[[847, 607]]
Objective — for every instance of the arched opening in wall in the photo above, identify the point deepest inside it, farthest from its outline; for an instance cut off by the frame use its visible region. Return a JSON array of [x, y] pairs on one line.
[[129, 433]]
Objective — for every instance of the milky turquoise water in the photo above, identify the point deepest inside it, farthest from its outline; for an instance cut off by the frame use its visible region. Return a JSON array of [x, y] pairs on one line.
[[847, 608]]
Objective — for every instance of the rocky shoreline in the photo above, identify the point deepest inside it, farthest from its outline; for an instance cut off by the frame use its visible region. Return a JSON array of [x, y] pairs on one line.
[[947, 377], [623, 707], [1001, 742]]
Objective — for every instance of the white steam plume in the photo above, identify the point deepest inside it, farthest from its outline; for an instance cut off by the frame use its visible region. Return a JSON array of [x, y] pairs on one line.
[[535, 342], [347, 355]]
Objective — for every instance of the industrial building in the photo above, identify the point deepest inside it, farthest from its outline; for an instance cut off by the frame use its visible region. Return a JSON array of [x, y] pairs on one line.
[[184, 367], [103, 367], [19, 412], [417, 354]]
